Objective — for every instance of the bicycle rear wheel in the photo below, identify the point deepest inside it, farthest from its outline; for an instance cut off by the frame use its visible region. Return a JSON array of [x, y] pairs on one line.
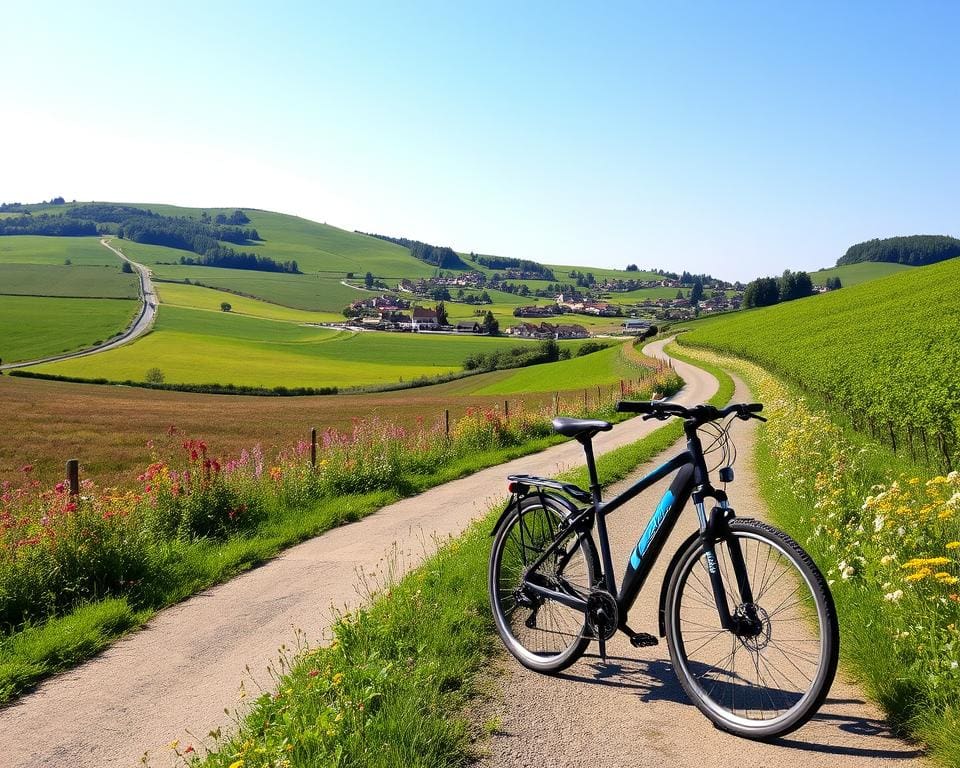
[[542, 634], [770, 679]]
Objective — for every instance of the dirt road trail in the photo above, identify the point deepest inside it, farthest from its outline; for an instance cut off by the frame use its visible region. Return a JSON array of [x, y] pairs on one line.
[[186, 666], [631, 711]]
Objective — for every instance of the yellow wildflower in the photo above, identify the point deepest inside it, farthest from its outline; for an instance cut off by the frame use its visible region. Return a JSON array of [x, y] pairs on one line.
[[945, 578], [953, 545], [338, 678], [236, 764], [920, 562], [918, 575]]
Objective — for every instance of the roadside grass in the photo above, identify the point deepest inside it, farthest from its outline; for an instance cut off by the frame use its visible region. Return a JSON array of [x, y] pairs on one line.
[[865, 518], [171, 568], [33, 327], [398, 682]]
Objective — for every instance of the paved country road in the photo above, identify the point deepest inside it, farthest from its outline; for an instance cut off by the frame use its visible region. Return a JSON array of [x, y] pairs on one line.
[[631, 711], [186, 666], [142, 323]]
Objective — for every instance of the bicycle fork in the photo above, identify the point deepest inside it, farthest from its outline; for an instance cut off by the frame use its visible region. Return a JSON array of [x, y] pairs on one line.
[[714, 528]]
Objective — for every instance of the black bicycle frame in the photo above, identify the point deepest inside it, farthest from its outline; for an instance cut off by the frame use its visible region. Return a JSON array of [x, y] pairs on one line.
[[691, 480]]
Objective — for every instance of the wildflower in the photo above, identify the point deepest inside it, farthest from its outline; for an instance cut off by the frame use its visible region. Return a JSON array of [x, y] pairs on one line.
[[887, 559], [953, 545], [919, 575], [338, 678], [893, 596], [878, 522], [945, 578], [313, 672], [189, 749], [237, 764], [26, 469]]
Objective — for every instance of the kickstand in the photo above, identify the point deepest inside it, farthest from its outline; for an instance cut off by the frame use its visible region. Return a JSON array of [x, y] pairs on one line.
[[603, 650]]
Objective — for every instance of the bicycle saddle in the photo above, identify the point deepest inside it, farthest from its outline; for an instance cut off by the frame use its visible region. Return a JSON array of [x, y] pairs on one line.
[[577, 427]]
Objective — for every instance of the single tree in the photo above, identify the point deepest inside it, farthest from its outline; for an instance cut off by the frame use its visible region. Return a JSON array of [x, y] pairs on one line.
[[368, 280], [696, 293], [490, 324], [126, 267], [442, 314], [225, 306], [154, 376]]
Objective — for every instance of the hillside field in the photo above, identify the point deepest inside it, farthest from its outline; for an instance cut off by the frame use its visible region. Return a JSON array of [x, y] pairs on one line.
[[885, 352], [854, 274]]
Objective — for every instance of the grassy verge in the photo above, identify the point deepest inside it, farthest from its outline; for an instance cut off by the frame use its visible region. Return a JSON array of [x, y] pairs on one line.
[[885, 533], [395, 686]]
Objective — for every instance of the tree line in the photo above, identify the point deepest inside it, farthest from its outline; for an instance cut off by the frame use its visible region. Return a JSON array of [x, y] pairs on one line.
[[442, 257], [537, 271], [765, 291], [913, 250]]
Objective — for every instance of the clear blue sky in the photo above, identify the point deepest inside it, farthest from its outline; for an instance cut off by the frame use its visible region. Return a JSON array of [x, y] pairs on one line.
[[732, 138]]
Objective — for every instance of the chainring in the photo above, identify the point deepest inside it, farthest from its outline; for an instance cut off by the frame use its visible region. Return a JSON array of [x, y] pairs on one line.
[[603, 616]]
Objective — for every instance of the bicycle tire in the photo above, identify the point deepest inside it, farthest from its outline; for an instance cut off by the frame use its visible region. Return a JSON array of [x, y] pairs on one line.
[[789, 664], [547, 637]]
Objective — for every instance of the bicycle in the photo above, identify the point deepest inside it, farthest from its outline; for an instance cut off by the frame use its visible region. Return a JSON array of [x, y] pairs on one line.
[[736, 586]]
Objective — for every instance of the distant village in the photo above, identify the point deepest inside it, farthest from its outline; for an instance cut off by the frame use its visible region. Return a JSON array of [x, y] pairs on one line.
[[398, 309]]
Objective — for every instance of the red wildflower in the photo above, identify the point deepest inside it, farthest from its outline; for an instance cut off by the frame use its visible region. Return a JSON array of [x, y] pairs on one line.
[[26, 469]]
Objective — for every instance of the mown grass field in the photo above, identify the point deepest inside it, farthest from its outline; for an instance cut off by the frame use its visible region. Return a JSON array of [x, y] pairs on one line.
[[32, 327], [34, 249], [885, 353]]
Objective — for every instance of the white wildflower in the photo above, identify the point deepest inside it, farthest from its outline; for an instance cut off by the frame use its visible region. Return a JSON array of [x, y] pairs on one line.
[[878, 522], [887, 559], [893, 596]]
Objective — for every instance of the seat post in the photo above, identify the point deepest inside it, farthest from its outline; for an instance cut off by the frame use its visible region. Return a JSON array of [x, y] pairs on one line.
[[586, 441]]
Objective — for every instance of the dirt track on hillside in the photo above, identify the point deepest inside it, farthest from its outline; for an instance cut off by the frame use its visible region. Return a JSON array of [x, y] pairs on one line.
[[181, 671]]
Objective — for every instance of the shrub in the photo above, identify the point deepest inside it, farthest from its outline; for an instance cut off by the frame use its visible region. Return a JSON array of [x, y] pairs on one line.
[[153, 376]]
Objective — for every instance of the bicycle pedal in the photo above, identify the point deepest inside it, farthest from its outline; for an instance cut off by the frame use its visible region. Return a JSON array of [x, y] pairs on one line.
[[643, 640]]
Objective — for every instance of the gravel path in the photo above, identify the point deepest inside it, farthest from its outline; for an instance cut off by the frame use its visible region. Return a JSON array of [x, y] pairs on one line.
[[186, 666], [632, 712]]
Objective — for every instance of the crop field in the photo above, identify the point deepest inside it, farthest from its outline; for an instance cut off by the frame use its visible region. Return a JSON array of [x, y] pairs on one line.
[[33, 327], [203, 347], [869, 350], [854, 274]]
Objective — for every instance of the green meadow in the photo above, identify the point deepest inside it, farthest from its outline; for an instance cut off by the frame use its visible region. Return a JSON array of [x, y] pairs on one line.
[[200, 347], [32, 327], [197, 297]]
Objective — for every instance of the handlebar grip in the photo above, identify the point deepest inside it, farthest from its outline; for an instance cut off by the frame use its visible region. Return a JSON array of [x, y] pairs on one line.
[[634, 406]]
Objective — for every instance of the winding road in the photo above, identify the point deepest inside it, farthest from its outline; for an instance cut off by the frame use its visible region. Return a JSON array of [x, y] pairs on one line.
[[173, 679], [142, 323]]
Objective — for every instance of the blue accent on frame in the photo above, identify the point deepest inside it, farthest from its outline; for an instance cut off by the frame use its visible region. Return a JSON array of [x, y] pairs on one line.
[[651, 530]]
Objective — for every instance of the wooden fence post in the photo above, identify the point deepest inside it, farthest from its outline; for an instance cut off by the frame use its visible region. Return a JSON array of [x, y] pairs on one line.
[[73, 476], [446, 422], [313, 447]]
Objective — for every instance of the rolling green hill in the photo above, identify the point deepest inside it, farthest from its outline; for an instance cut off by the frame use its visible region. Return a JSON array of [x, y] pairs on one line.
[[887, 351]]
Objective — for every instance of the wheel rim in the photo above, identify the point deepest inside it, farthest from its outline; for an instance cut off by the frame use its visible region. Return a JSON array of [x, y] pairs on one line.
[[535, 630], [765, 677]]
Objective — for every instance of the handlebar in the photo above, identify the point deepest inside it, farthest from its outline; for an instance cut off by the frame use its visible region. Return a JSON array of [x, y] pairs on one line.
[[699, 414]]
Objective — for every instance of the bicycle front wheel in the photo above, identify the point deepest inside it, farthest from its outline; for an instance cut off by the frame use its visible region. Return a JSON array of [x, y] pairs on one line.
[[542, 634], [771, 675]]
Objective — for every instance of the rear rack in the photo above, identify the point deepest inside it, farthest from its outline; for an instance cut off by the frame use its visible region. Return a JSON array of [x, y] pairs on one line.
[[545, 482]]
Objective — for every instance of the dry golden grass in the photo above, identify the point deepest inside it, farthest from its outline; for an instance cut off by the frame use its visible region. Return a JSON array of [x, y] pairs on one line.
[[44, 423]]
